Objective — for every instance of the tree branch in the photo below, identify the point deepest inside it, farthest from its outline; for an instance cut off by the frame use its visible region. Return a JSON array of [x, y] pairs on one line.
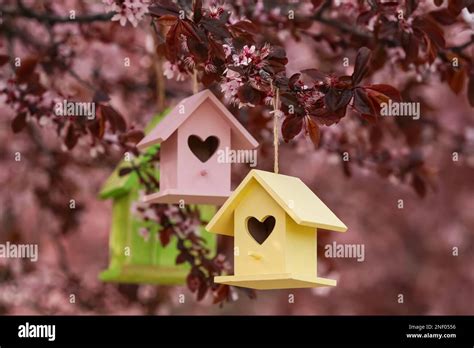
[[49, 18]]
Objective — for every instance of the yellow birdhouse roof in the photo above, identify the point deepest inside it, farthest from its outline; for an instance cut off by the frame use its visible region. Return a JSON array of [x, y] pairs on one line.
[[298, 201]]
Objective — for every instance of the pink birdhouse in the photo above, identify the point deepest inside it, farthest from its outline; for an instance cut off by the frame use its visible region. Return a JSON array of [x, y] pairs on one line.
[[193, 136]]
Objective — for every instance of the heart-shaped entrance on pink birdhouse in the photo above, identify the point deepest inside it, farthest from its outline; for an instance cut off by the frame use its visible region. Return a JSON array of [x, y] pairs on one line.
[[203, 150], [260, 230]]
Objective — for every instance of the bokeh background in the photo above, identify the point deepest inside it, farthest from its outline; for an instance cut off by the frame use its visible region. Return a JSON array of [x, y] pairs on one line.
[[408, 251]]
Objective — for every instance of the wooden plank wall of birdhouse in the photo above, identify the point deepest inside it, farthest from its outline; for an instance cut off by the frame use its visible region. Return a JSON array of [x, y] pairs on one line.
[[168, 162], [301, 245], [205, 121], [120, 226], [256, 202]]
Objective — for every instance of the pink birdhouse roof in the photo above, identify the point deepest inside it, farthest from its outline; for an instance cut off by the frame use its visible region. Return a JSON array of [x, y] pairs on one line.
[[175, 118]]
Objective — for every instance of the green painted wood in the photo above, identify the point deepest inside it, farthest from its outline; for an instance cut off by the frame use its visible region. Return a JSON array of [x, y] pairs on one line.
[[133, 258], [116, 185]]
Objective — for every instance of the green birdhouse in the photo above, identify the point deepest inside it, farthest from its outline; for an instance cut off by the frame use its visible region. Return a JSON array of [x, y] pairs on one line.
[[135, 258]]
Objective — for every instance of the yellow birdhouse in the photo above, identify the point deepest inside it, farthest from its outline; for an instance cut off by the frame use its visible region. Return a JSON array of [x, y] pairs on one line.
[[274, 220]]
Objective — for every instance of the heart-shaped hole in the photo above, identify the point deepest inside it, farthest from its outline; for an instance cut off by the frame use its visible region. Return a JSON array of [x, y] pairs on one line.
[[203, 149], [260, 230]]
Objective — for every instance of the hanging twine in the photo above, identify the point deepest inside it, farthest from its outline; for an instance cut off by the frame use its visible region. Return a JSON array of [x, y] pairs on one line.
[[195, 82], [195, 75], [276, 114]]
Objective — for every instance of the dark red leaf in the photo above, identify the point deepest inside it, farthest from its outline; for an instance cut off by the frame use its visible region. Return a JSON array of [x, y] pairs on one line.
[[388, 90], [419, 185], [193, 282], [470, 90], [245, 26], [165, 236], [277, 52], [379, 58], [315, 74], [71, 137], [116, 121], [411, 6], [221, 294], [97, 126], [208, 79], [161, 49], [26, 69], [188, 29], [410, 44], [163, 7], [313, 130], [325, 117], [376, 99], [199, 51], [364, 17], [172, 43], [291, 127], [336, 100], [19, 122], [181, 258], [248, 94], [432, 29], [346, 168], [133, 136], [456, 80], [361, 66], [217, 49], [275, 66], [125, 171], [201, 291], [215, 27], [362, 102], [456, 6], [443, 16], [4, 59], [197, 11], [167, 20], [293, 79], [389, 5]]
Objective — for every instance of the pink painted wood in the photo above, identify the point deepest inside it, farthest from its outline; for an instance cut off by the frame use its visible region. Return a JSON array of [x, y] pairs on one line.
[[183, 176]]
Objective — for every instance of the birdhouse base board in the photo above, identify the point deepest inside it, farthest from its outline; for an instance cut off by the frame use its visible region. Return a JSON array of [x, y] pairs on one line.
[[144, 274], [274, 281], [174, 196]]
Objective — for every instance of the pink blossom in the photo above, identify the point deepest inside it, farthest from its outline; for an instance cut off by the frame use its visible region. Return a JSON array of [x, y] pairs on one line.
[[231, 85], [245, 57], [130, 10], [227, 50], [171, 71]]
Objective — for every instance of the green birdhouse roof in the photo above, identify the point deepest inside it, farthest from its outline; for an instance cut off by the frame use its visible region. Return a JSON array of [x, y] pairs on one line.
[[116, 185]]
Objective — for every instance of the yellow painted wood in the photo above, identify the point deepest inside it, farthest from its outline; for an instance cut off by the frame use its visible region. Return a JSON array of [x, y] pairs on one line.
[[287, 258], [259, 204], [274, 281], [301, 244], [299, 202]]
